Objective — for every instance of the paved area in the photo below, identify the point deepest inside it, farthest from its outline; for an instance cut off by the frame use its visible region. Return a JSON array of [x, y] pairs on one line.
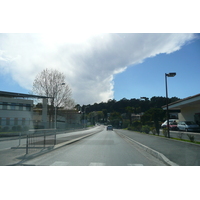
[[181, 153], [17, 153]]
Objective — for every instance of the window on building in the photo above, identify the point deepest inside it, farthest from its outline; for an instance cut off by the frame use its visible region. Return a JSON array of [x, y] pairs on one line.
[[20, 106], [7, 121], [16, 121], [17, 106], [12, 106], [28, 107], [23, 121], [24, 107], [5, 105]]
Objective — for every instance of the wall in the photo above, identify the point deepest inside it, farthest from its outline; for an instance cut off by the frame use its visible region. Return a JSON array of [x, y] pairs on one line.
[[188, 112]]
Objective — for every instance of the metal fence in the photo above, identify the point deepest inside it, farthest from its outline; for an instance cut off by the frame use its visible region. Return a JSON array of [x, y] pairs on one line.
[[45, 139], [37, 140]]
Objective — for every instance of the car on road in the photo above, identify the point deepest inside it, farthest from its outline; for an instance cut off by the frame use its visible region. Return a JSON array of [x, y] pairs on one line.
[[188, 126], [164, 124], [109, 127]]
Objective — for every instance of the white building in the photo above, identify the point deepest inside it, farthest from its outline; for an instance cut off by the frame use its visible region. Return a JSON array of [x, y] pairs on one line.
[[65, 119], [189, 108], [16, 110]]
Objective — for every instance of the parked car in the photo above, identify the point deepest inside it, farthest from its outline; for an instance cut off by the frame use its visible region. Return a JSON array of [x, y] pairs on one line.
[[164, 124], [173, 126], [109, 127], [188, 126]]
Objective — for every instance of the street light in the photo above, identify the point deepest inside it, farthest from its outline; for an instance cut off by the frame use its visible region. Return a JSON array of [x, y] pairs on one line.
[[84, 116], [168, 75]]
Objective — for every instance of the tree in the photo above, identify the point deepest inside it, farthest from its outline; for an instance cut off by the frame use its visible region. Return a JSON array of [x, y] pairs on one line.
[[51, 83], [129, 111], [155, 115]]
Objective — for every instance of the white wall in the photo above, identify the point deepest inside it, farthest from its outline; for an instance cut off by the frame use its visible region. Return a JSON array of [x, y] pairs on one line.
[[187, 113]]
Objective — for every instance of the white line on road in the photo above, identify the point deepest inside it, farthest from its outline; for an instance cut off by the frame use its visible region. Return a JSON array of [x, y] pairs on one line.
[[60, 163], [135, 164], [96, 164]]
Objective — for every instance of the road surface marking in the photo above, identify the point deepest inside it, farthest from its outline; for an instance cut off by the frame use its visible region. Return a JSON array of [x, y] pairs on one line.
[[135, 165], [60, 163], [96, 164]]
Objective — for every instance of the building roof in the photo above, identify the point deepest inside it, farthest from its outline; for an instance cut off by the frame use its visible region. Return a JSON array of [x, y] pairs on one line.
[[189, 101], [14, 94]]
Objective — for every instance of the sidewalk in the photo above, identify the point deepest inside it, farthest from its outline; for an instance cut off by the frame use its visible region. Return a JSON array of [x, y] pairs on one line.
[[17, 155], [179, 152]]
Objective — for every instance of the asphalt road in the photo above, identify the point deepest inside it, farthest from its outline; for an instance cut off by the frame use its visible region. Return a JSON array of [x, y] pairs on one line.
[[179, 152], [105, 148]]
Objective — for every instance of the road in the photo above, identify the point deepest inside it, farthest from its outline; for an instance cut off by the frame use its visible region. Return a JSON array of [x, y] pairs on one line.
[[105, 148], [181, 153]]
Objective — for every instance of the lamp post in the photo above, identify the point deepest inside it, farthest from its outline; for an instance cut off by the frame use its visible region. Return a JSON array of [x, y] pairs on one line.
[[168, 75], [84, 117]]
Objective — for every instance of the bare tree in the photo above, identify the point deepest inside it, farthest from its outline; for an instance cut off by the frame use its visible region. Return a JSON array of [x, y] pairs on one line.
[[51, 83]]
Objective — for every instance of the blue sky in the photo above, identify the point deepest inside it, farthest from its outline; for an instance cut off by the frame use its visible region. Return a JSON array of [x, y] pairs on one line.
[[148, 78], [103, 66]]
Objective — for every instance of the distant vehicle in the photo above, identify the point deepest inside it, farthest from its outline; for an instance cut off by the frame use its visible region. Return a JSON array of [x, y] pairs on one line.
[[188, 126], [164, 124], [109, 127]]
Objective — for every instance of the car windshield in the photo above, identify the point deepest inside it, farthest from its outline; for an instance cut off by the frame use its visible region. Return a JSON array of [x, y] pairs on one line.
[[68, 90], [86, 91]]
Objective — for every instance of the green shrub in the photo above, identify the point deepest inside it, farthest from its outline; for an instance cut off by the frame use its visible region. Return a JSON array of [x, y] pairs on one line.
[[137, 125], [180, 135], [153, 130], [25, 128], [5, 129], [146, 129], [191, 137], [125, 123], [165, 132], [19, 128], [14, 128]]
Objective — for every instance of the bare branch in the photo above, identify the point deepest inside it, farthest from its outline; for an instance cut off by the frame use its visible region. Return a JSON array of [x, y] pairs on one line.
[[50, 82]]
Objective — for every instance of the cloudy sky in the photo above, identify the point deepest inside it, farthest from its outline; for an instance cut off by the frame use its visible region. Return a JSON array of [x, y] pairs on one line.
[[98, 46], [98, 67]]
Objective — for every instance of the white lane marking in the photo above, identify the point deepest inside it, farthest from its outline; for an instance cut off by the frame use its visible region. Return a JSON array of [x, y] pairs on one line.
[[96, 164], [135, 164], [60, 163]]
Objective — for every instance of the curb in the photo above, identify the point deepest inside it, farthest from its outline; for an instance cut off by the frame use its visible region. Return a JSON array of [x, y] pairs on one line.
[[153, 152]]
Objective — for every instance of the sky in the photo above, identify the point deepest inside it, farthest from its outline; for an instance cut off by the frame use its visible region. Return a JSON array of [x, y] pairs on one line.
[[103, 66], [100, 48]]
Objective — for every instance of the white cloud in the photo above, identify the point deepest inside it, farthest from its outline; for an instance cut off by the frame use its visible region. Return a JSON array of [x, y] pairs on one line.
[[89, 61]]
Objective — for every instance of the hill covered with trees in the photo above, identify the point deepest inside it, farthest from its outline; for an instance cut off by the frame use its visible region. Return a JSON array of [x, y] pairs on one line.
[[127, 113]]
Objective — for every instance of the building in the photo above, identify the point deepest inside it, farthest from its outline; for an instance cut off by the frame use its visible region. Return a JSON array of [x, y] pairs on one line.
[[189, 108], [65, 119], [16, 110]]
